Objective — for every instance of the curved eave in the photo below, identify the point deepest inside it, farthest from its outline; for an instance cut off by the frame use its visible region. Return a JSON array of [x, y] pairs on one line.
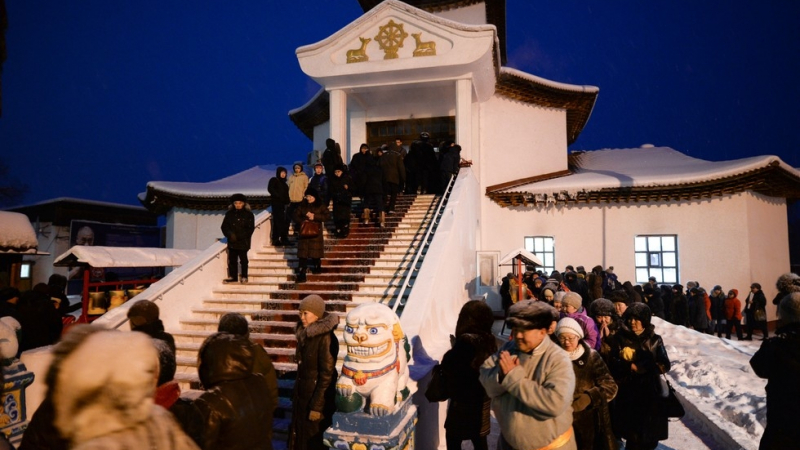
[[577, 100], [317, 111], [160, 202], [771, 180], [495, 13]]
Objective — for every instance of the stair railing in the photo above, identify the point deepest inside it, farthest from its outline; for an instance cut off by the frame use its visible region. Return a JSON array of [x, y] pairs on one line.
[[424, 243]]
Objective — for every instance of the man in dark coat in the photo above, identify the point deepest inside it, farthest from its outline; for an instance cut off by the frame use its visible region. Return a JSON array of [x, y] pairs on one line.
[[394, 174], [778, 361], [341, 194], [449, 165], [755, 308], [372, 189], [358, 169], [237, 405], [332, 156], [279, 198], [313, 401], [144, 317], [238, 226]]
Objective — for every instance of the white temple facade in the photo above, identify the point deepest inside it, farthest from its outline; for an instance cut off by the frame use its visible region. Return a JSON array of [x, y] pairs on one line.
[[437, 66]]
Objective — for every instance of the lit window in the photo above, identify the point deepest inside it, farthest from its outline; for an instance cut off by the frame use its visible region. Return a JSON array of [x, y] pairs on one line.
[[544, 248], [656, 256]]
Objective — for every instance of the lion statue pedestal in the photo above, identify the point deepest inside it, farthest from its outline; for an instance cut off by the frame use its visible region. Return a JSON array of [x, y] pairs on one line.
[[374, 411]]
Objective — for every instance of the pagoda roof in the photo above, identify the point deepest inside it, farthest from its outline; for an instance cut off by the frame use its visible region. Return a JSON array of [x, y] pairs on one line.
[[648, 174]]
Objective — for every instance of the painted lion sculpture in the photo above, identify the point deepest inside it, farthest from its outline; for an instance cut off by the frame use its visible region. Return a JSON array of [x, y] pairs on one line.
[[375, 370]]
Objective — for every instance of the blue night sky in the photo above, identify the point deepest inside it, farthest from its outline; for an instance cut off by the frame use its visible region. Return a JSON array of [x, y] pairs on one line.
[[100, 97]]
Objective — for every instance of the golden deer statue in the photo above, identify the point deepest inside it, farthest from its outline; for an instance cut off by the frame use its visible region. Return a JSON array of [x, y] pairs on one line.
[[359, 54], [423, 48]]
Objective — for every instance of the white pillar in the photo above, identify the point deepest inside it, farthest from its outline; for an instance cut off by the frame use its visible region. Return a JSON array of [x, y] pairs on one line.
[[464, 117], [338, 120]]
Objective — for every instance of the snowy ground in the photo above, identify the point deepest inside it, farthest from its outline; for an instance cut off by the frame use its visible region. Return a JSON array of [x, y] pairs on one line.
[[727, 407]]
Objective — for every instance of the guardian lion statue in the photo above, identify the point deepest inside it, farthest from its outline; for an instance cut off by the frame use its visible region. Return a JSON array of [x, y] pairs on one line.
[[375, 370]]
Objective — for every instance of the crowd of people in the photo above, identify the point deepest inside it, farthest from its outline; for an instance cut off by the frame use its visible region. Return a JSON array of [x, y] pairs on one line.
[[376, 176], [606, 386]]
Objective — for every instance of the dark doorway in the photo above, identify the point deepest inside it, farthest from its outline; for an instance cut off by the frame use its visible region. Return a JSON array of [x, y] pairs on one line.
[[408, 130]]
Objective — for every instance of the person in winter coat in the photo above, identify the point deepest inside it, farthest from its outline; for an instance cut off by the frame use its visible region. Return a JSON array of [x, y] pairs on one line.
[[571, 307], [394, 174], [313, 400], [279, 198], [340, 184], [594, 389], [103, 385], [636, 361], [298, 183], [331, 157], [449, 165], [666, 298], [320, 182], [168, 395], [577, 284], [699, 310], [531, 382], [596, 281], [786, 284], [652, 297], [631, 292], [755, 310], [372, 191], [468, 410], [238, 226], [236, 405], [144, 317], [717, 323], [680, 306], [236, 324], [608, 323], [39, 319], [358, 169], [778, 361], [310, 248], [732, 312]]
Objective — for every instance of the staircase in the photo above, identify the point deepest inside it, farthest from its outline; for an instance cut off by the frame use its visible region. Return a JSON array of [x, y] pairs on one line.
[[370, 265]]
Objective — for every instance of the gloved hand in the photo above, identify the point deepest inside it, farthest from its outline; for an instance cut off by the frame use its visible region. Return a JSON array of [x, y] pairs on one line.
[[582, 402], [314, 416]]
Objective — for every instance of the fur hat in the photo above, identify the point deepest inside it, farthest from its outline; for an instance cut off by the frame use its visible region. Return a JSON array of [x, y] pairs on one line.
[[238, 197], [143, 312], [313, 304], [569, 325], [572, 299], [312, 192], [475, 317], [531, 315], [789, 308], [639, 311], [234, 323], [788, 282], [602, 307], [755, 285]]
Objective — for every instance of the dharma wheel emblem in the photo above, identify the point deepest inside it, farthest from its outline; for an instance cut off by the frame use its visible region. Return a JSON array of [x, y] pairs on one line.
[[390, 38]]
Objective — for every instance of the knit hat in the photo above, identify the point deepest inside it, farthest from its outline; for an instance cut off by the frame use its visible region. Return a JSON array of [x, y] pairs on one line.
[[717, 288], [531, 315], [569, 325], [238, 198], [318, 164], [789, 308], [143, 312], [601, 307], [572, 299], [313, 304]]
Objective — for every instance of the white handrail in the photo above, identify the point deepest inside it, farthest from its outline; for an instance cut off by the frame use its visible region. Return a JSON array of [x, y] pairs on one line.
[[425, 241]]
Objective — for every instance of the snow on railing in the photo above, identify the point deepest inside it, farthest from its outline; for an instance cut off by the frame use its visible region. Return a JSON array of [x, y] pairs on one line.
[[187, 286]]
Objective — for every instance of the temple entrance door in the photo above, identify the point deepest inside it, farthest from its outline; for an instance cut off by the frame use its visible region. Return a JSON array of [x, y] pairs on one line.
[[408, 130]]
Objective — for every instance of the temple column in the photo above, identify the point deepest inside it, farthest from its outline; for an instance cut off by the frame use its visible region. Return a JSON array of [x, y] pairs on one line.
[[338, 120], [464, 117]]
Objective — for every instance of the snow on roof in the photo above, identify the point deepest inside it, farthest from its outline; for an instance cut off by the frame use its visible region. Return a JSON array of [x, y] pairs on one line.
[[549, 83], [527, 257], [252, 181], [644, 167], [99, 256], [16, 233], [82, 201]]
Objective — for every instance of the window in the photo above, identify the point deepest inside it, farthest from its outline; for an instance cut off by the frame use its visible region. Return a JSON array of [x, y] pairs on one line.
[[656, 256], [543, 247]]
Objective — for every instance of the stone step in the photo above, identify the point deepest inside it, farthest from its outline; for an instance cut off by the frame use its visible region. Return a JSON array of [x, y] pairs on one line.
[[258, 304]]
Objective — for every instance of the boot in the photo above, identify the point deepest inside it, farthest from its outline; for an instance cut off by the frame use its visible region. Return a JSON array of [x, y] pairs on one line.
[[365, 216], [301, 276], [383, 219]]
